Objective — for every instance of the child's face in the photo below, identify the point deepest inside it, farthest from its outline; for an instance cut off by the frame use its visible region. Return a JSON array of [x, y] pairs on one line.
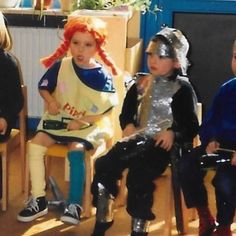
[[83, 48], [161, 66], [233, 62]]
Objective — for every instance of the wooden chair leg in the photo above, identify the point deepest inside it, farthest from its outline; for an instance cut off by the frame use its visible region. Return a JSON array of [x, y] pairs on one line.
[[188, 215], [27, 178], [169, 199], [87, 199], [23, 160], [4, 182]]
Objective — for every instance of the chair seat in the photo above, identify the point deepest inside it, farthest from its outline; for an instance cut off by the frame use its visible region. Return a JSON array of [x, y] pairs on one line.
[[57, 150]]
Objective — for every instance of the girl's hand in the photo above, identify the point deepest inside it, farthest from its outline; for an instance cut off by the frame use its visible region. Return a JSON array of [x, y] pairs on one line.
[[165, 139], [3, 126], [233, 161], [129, 130], [54, 107], [76, 124], [212, 147]]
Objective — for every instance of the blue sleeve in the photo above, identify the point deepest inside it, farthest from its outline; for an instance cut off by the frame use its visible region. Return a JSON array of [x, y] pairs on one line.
[[49, 79], [210, 127]]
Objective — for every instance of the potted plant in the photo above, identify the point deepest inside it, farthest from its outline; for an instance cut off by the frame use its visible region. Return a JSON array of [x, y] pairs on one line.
[[42, 5], [67, 5], [138, 5]]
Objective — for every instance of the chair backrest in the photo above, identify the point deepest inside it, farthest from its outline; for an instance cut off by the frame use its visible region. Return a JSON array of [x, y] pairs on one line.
[[23, 116], [24, 111]]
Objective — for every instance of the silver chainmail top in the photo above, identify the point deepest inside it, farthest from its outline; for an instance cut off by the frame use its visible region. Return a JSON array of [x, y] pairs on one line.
[[157, 107]]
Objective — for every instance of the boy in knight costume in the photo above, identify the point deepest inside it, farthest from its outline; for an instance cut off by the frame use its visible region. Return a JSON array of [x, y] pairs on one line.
[[158, 111], [79, 93], [218, 140]]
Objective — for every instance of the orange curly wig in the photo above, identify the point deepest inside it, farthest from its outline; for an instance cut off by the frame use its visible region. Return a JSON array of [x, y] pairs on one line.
[[94, 26]]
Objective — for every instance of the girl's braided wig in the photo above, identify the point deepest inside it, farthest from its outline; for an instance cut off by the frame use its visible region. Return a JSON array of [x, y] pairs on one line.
[[94, 26]]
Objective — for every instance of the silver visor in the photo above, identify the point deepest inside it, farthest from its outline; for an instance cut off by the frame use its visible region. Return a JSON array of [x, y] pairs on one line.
[[161, 49]]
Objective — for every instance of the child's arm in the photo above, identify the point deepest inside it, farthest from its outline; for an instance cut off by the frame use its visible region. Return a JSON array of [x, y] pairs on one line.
[[129, 130], [46, 87], [212, 147], [3, 126], [233, 161], [128, 116], [86, 120], [52, 105]]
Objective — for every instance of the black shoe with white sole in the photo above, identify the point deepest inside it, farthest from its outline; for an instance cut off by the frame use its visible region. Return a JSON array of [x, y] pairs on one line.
[[35, 208], [72, 214]]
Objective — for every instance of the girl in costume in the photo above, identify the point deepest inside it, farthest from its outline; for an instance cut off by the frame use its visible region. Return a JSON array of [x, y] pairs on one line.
[[78, 92], [11, 97], [158, 111], [218, 131]]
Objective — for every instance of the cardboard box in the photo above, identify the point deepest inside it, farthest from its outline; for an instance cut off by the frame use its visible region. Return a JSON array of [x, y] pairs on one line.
[[133, 55]]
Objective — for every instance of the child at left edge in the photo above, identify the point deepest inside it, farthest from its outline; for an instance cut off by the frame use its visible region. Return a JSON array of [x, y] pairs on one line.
[[79, 90]]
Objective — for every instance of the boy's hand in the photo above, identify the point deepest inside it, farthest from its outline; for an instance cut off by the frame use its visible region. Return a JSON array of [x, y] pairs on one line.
[[212, 147], [54, 108], [165, 139], [3, 126], [233, 161], [129, 130]]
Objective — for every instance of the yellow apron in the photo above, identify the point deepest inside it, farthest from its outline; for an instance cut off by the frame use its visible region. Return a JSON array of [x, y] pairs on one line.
[[78, 100]]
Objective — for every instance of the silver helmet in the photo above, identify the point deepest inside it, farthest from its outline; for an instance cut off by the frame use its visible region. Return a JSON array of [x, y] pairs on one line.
[[170, 42]]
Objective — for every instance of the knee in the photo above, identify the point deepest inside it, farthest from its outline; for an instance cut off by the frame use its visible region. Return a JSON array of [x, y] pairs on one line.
[[43, 139]]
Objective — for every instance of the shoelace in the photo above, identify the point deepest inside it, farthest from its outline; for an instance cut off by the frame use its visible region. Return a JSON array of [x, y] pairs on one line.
[[32, 204], [72, 209]]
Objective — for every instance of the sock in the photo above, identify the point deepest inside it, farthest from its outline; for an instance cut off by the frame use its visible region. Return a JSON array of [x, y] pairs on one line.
[[36, 155], [77, 176]]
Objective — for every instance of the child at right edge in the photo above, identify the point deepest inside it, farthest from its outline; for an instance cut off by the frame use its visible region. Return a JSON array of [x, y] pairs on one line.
[[218, 131]]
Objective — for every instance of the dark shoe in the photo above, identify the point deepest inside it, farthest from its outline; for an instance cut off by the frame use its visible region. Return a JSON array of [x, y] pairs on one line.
[[206, 222], [35, 208], [101, 227], [222, 230], [72, 214]]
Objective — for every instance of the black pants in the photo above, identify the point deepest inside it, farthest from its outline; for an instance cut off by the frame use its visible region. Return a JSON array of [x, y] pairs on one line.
[[225, 190], [145, 164], [195, 193], [192, 179]]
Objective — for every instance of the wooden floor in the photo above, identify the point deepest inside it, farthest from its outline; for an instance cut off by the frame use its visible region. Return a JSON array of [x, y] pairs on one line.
[[51, 225]]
